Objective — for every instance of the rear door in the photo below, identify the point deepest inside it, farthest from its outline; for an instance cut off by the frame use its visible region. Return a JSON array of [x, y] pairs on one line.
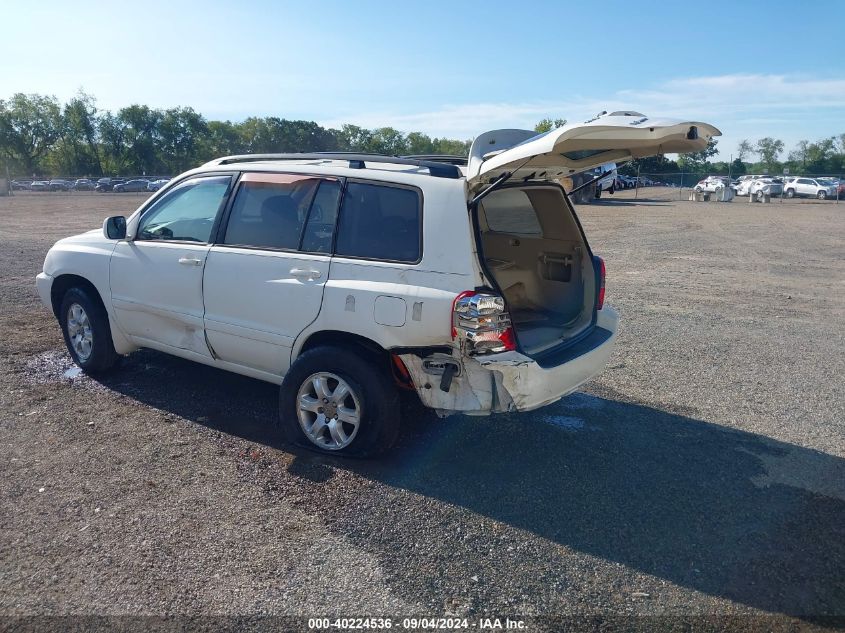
[[264, 278], [576, 148]]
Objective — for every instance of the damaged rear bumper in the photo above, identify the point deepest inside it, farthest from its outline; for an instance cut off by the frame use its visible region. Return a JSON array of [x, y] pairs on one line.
[[511, 381]]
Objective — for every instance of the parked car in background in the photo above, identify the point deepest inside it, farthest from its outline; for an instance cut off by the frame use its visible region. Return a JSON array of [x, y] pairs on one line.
[[21, 185], [57, 184], [40, 185], [837, 183], [759, 187], [155, 185], [711, 184], [107, 184], [131, 185], [608, 182], [809, 187], [83, 184]]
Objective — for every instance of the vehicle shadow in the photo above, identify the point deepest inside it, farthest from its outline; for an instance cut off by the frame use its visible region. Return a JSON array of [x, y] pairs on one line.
[[724, 512]]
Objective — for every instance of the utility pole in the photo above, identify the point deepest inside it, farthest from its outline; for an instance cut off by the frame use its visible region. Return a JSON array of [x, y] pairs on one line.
[[637, 188]]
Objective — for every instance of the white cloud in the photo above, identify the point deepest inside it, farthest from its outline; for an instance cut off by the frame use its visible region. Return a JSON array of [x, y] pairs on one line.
[[750, 106]]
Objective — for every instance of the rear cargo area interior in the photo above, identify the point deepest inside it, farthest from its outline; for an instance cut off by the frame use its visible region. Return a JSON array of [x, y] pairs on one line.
[[534, 249]]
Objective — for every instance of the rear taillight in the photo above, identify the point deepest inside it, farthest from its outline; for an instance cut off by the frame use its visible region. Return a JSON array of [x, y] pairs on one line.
[[481, 323], [600, 276]]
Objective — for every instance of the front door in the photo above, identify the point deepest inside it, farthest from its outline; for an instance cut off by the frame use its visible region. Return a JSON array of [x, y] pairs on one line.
[[156, 277], [264, 279]]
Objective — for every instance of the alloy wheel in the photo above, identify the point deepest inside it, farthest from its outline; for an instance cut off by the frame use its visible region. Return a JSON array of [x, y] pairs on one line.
[[79, 331], [329, 411]]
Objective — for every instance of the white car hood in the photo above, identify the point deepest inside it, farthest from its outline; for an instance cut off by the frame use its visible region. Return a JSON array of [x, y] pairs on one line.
[[578, 147]]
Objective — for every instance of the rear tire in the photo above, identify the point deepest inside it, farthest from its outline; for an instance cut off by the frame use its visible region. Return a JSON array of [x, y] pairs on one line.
[[326, 391], [86, 330]]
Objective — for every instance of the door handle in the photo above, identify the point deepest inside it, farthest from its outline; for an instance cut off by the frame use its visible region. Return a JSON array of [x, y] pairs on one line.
[[190, 261], [305, 273]]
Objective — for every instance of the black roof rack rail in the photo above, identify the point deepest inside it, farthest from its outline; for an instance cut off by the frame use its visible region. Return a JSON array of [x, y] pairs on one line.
[[356, 161], [450, 159]]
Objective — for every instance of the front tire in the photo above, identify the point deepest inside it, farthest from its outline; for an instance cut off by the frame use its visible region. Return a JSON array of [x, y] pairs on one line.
[[790, 193], [86, 330], [335, 401], [821, 195]]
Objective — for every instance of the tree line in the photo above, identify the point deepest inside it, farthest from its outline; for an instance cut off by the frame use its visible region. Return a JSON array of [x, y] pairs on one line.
[[822, 157], [40, 136]]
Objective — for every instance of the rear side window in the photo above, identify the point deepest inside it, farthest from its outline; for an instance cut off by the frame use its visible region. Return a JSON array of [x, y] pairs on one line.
[[270, 210], [510, 211], [380, 222]]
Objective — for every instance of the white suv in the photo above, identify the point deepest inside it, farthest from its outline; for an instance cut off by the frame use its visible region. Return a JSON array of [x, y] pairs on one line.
[[346, 278], [810, 187]]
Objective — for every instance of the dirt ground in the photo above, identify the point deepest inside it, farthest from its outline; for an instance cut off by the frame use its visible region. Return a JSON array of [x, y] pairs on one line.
[[702, 474]]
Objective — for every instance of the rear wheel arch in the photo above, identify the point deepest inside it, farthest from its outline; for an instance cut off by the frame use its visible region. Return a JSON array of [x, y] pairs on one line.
[[345, 340], [365, 347]]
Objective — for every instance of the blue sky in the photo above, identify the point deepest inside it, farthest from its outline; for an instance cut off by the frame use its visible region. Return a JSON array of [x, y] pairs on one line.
[[445, 68]]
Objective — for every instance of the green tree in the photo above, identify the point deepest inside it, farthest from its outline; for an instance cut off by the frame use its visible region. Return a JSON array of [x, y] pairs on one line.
[[547, 125], [451, 147], [354, 138], [181, 132], [222, 139], [738, 167], [821, 156], [419, 143], [650, 165], [112, 144], [769, 149], [77, 151], [142, 138], [798, 156], [387, 141], [698, 162], [29, 126], [744, 150]]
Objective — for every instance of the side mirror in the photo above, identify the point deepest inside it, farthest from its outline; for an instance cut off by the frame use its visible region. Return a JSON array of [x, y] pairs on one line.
[[114, 228]]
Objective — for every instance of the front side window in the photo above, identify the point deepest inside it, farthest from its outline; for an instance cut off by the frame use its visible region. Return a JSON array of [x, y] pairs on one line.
[[270, 211], [186, 213], [380, 222]]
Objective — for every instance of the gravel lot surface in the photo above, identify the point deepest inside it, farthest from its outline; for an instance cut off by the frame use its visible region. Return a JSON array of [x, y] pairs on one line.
[[703, 473]]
